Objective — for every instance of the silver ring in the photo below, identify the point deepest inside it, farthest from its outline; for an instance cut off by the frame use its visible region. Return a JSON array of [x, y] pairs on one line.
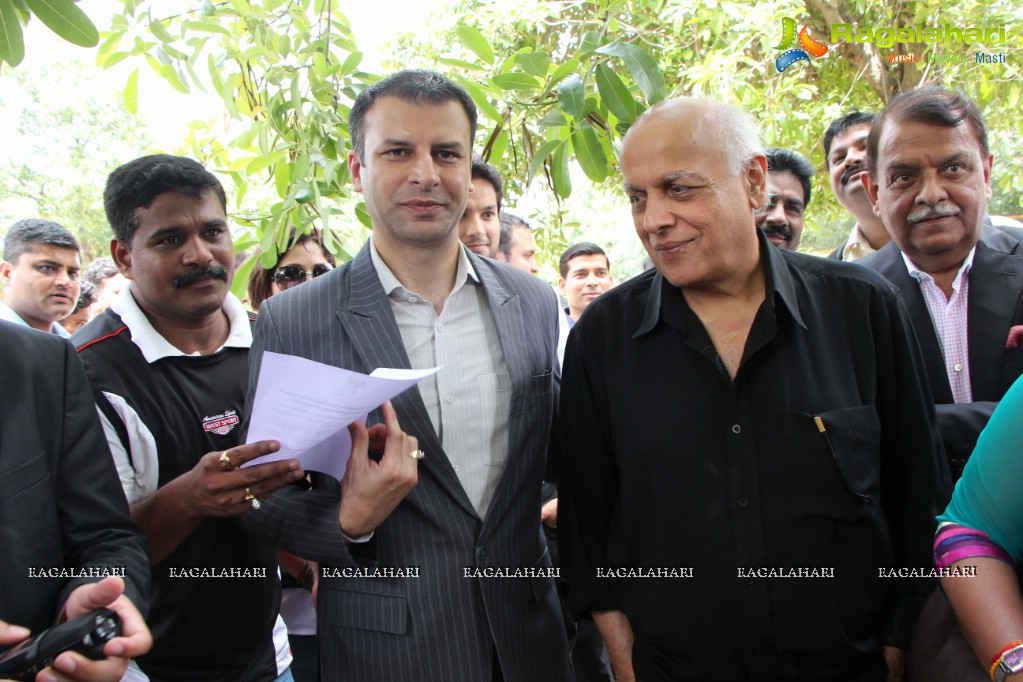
[[255, 503], [417, 454]]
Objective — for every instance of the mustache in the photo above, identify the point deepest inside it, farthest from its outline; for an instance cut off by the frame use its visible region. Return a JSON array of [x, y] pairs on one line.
[[778, 230], [193, 275], [929, 212], [848, 172]]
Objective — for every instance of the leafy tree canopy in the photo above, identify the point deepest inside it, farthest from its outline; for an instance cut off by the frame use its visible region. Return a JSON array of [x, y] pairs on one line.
[[557, 84]]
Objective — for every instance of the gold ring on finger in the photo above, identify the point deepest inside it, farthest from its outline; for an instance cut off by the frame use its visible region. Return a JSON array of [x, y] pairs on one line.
[[224, 461]]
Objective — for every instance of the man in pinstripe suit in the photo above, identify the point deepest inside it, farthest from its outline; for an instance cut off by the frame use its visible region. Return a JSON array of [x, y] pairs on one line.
[[414, 297]]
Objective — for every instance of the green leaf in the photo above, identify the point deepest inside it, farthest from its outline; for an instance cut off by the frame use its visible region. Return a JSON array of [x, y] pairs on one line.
[[480, 98], [218, 84], [282, 178], [65, 19], [615, 94], [590, 42], [642, 67], [461, 64], [559, 173], [572, 95], [515, 81], [589, 153], [568, 68], [112, 59], [240, 283], [205, 26], [474, 40], [363, 215], [554, 117], [535, 63], [351, 62], [497, 148], [160, 31], [541, 154], [12, 42], [131, 92]]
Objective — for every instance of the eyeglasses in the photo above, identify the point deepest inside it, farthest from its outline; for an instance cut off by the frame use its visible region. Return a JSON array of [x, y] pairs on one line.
[[292, 275]]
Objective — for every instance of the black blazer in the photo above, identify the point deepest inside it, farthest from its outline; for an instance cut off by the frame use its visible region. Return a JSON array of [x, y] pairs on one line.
[[61, 503], [995, 305]]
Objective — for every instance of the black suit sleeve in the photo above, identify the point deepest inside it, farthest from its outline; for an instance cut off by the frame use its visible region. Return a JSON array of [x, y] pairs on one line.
[[960, 426], [95, 526]]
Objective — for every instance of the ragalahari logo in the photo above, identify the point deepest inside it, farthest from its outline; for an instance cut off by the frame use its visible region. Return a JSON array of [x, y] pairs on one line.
[[809, 45]]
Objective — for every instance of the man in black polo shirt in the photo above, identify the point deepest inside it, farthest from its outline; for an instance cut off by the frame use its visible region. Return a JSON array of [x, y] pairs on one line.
[[168, 362], [746, 436]]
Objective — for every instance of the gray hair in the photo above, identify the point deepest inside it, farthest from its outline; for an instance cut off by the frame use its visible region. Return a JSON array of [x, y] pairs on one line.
[[738, 134]]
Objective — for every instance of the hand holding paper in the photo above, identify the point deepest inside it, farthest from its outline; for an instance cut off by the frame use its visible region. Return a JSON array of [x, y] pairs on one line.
[[307, 407]]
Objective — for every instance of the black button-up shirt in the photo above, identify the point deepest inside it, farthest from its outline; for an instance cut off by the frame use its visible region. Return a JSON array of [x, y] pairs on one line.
[[669, 463]]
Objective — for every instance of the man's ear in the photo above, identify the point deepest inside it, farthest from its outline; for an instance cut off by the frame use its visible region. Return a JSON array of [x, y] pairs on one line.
[[870, 187], [5, 273], [355, 170], [756, 179], [121, 254], [987, 174]]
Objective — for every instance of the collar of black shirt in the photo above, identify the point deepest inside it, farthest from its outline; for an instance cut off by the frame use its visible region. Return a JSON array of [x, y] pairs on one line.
[[665, 297]]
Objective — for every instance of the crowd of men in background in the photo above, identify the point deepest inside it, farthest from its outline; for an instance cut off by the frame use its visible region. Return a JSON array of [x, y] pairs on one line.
[[737, 405]]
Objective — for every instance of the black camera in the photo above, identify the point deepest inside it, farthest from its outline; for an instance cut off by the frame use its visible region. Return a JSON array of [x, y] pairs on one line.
[[85, 634]]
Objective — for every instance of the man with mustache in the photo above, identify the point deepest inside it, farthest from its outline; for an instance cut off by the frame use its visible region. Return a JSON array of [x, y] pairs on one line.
[[788, 193], [169, 365], [479, 228], [40, 273], [844, 152], [961, 278]]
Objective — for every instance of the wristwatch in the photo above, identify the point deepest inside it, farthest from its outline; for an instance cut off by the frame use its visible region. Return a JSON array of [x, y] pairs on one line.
[[1011, 662]]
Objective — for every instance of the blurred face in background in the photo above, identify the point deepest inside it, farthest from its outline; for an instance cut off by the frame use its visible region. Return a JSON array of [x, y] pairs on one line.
[[302, 262]]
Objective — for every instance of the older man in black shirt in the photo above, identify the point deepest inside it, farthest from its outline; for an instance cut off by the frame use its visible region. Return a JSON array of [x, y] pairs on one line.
[[750, 424]]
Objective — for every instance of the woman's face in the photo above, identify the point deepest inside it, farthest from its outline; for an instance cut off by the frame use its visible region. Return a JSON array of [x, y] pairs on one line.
[[306, 255]]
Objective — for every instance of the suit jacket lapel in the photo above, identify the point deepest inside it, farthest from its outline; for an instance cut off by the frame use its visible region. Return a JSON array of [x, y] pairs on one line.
[[506, 310], [366, 318], [995, 283], [896, 273]]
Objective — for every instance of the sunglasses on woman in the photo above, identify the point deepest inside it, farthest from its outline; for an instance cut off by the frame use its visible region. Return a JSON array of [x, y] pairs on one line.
[[292, 275]]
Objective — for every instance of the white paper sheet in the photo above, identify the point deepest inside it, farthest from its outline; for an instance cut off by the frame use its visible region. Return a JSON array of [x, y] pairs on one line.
[[307, 406]]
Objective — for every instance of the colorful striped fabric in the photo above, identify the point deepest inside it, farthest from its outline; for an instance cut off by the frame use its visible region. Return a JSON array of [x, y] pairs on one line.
[[954, 542]]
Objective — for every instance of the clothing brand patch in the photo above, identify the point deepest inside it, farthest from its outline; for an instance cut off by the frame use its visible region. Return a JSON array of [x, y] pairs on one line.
[[220, 424]]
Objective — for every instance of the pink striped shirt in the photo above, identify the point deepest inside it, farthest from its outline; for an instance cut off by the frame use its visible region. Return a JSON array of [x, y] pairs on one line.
[[949, 317]]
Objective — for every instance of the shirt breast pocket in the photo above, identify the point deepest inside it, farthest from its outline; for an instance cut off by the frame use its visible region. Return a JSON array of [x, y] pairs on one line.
[[834, 462]]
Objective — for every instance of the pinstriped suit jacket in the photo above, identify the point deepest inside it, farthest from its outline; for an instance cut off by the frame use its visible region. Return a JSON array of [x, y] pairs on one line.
[[441, 626]]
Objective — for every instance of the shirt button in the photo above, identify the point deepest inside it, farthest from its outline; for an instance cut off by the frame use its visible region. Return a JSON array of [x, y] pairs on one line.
[[958, 367], [481, 552], [455, 467], [449, 399], [413, 299], [736, 429], [440, 327], [743, 502]]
